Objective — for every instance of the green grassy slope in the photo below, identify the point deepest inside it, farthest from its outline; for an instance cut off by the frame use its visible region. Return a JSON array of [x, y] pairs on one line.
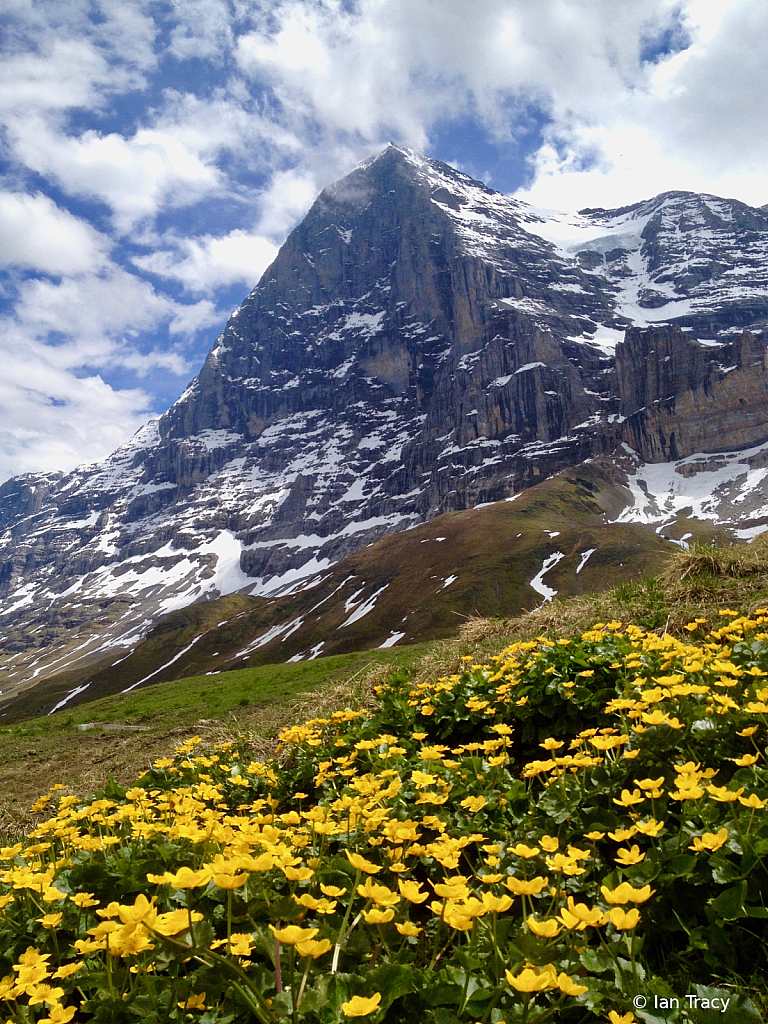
[[257, 701], [125, 732], [408, 588]]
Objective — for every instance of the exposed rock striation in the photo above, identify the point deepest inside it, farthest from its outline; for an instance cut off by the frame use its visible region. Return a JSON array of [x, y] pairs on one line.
[[680, 396], [421, 344]]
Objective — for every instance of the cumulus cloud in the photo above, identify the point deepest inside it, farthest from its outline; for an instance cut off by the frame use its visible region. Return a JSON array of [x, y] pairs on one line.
[[53, 419], [134, 176], [37, 235], [202, 264]]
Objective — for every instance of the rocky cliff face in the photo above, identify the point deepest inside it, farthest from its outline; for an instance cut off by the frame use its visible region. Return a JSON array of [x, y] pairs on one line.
[[421, 344], [680, 396]]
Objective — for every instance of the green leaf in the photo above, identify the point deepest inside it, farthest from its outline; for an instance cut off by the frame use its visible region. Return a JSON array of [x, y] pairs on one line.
[[444, 1016], [729, 905], [392, 980], [681, 866], [723, 871], [559, 807], [597, 961], [316, 997], [467, 961], [741, 1010]]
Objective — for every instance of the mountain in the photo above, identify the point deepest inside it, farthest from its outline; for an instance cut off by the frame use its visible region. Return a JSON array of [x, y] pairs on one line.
[[421, 345]]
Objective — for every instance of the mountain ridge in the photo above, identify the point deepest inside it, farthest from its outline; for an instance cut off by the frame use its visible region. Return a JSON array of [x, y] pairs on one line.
[[417, 348]]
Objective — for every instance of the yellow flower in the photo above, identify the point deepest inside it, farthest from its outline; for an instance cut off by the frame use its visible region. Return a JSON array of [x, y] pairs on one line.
[[569, 986], [292, 934], [58, 1015], [625, 893], [532, 980], [228, 881], [749, 731], [521, 850], [32, 957], [67, 970], [313, 947], [291, 873], [630, 856], [621, 1018], [624, 920], [724, 795], [496, 904], [650, 827], [578, 915], [650, 783], [454, 888], [709, 841], [84, 899], [566, 865], [629, 799], [745, 760], [380, 894], [411, 891], [526, 887], [361, 864], [551, 744], [51, 894], [549, 843], [473, 803], [174, 921], [361, 1006], [86, 946], [655, 717], [322, 906], [184, 878], [331, 890], [686, 791], [240, 944], [457, 919], [594, 836], [377, 916], [50, 920], [44, 994], [142, 910], [129, 941], [622, 834], [753, 801], [409, 929], [193, 1002], [548, 929]]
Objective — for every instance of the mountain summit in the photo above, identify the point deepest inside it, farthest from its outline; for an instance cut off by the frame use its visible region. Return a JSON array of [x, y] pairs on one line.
[[421, 344]]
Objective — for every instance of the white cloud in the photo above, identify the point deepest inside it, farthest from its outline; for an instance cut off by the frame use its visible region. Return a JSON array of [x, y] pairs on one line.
[[289, 196], [203, 264], [203, 30], [690, 125], [190, 318], [59, 56], [134, 176], [98, 321], [51, 419], [92, 306], [62, 77], [36, 234]]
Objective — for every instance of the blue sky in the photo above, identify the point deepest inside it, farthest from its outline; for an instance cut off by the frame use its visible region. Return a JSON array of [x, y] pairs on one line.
[[154, 155]]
